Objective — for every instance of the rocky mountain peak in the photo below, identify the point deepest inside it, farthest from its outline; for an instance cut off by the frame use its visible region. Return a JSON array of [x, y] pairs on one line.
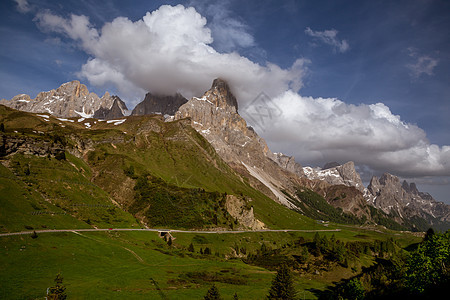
[[220, 94], [410, 188], [158, 104], [117, 110], [391, 195], [73, 88], [215, 116], [389, 180], [288, 163], [337, 174], [71, 99]]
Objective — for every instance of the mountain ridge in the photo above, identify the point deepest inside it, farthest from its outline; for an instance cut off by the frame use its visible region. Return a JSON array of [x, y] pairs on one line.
[[215, 116]]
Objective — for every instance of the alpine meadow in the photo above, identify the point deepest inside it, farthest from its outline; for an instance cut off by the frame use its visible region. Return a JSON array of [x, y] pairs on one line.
[[175, 155]]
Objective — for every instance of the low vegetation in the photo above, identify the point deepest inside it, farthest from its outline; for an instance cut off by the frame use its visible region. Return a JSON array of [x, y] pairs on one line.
[[167, 206]]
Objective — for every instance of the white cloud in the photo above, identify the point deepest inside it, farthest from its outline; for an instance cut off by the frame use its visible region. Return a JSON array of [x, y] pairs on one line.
[[319, 130], [329, 37], [423, 64], [229, 33], [76, 28], [23, 6], [167, 51]]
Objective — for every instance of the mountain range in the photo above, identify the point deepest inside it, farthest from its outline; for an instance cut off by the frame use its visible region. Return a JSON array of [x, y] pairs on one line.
[[229, 150]]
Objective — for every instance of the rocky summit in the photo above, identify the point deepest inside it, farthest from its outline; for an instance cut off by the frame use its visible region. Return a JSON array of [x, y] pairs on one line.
[[404, 200], [336, 174], [117, 110], [157, 104], [215, 115], [71, 99]]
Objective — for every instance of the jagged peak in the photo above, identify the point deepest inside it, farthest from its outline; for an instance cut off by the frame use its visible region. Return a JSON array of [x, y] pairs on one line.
[[386, 177], [410, 187], [161, 104], [226, 97]]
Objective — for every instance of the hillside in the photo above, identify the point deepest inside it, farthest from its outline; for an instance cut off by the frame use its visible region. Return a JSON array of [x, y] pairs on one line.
[[82, 163]]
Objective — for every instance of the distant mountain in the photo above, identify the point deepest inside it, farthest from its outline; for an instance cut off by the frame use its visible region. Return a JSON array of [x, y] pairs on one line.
[[156, 104], [404, 201], [117, 110], [336, 174], [71, 99]]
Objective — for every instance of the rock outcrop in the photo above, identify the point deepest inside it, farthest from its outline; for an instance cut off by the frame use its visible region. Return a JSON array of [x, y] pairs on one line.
[[31, 146], [71, 99], [238, 208]]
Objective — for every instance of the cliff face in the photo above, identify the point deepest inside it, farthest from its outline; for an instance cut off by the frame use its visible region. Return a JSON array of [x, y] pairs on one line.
[[215, 116]]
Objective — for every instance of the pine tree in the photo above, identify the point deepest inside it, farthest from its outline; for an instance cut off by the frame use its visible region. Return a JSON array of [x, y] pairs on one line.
[[191, 248], [169, 242], [2, 127], [282, 285], [34, 235], [429, 234], [57, 292], [212, 293]]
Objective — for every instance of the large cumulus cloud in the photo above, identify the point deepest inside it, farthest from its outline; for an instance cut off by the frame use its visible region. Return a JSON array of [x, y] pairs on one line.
[[167, 51], [318, 130]]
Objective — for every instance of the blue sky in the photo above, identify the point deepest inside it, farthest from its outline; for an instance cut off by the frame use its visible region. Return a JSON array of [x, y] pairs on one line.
[[366, 81]]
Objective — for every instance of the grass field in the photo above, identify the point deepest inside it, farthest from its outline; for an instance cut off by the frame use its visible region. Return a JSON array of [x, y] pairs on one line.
[[135, 265]]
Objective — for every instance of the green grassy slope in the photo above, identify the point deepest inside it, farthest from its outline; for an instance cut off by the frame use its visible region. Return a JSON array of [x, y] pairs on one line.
[[118, 265], [84, 188], [22, 208]]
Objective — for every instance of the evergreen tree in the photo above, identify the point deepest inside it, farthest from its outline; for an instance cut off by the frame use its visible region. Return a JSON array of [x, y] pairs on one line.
[[34, 235], [169, 242], [428, 266], [429, 234], [2, 127], [355, 290], [57, 292], [282, 285], [235, 297], [191, 248], [212, 293]]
